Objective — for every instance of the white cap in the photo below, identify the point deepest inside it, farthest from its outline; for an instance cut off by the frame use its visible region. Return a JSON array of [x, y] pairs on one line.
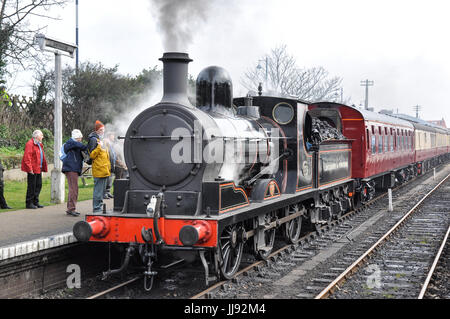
[[76, 134]]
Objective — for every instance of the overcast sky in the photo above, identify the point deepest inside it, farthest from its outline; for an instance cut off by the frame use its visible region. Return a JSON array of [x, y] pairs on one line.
[[401, 45]]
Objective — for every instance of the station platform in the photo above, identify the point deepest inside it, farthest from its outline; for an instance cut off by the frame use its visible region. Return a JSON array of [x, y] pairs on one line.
[[29, 230]]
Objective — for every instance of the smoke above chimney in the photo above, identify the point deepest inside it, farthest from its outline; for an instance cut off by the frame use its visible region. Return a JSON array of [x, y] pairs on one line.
[[179, 21]]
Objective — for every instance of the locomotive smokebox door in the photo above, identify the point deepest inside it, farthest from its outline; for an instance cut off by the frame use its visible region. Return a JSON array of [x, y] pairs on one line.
[[163, 157]]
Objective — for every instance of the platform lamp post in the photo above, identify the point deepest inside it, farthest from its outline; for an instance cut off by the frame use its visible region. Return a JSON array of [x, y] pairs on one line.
[[59, 48], [259, 67]]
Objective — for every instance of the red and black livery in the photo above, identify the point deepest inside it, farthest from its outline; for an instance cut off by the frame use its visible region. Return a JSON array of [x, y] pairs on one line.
[[225, 175]]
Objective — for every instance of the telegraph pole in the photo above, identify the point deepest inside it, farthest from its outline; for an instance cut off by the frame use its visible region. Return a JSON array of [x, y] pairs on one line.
[[417, 108], [367, 83]]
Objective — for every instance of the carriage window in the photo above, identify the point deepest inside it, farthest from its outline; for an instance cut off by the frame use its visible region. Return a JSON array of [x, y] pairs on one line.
[[392, 143], [380, 142], [374, 146], [407, 140], [367, 139], [402, 139], [386, 144]]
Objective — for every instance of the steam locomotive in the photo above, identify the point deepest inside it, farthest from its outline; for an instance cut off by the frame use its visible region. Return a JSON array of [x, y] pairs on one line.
[[227, 174]]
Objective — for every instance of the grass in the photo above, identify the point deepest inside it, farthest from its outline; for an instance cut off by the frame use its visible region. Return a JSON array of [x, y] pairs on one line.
[[10, 151], [15, 193]]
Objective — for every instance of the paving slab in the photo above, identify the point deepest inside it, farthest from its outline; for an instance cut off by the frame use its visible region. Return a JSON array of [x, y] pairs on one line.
[[30, 224]]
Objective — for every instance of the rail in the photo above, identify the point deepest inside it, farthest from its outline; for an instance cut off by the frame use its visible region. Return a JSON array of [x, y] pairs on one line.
[[353, 267], [433, 267]]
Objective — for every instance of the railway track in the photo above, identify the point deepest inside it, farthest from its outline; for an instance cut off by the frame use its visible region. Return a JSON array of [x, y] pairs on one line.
[[439, 284], [271, 278], [114, 288], [283, 251], [312, 250], [400, 258], [442, 256]]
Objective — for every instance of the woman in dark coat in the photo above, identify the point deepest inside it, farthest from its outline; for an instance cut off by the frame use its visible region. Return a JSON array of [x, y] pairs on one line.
[[72, 166]]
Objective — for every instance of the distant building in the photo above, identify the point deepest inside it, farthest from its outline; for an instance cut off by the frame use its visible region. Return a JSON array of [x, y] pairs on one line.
[[439, 123]]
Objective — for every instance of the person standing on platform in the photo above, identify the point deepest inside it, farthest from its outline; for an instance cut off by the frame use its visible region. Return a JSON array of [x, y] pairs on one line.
[[101, 166], [34, 163], [72, 166], [3, 204]]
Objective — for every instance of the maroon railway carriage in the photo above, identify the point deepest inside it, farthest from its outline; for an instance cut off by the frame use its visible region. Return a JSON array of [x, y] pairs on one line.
[[383, 146], [431, 145]]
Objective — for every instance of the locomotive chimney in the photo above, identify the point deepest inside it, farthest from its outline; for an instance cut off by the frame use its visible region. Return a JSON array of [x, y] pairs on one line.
[[175, 78]]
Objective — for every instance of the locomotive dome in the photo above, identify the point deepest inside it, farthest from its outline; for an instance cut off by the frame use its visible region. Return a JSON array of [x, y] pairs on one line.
[[214, 88]]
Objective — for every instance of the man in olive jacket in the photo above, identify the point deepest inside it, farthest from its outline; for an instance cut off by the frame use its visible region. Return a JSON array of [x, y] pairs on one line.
[[101, 166]]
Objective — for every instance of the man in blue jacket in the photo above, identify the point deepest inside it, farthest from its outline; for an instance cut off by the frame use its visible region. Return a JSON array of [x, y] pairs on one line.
[[72, 166]]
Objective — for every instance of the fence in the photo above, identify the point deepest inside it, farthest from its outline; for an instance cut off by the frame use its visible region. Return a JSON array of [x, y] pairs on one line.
[[24, 112], [19, 116]]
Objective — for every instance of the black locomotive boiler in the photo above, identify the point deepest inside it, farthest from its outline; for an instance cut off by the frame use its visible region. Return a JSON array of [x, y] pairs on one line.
[[221, 176]]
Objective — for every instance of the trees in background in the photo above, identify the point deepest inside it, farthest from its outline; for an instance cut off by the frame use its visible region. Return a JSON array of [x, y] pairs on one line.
[[17, 48], [95, 92], [286, 77]]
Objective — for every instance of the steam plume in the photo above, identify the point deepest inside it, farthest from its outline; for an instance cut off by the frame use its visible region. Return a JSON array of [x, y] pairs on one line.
[[179, 20]]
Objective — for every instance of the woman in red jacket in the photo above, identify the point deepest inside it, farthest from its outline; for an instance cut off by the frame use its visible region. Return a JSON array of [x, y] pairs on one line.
[[34, 163]]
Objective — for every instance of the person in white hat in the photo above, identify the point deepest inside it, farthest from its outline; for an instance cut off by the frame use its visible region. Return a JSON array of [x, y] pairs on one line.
[[72, 166]]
